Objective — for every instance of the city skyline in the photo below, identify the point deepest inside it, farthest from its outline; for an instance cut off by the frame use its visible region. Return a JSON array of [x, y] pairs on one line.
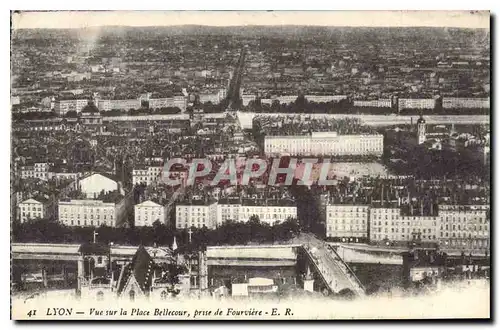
[[95, 19]]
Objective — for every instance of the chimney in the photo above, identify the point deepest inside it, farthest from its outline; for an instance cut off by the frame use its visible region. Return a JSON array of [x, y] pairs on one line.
[[421, 207]]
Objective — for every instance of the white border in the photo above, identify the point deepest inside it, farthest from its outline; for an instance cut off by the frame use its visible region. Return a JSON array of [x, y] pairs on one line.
[[191, 5]]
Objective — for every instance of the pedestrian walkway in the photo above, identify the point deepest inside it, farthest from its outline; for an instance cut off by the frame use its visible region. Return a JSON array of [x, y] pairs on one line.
[[334, 271]]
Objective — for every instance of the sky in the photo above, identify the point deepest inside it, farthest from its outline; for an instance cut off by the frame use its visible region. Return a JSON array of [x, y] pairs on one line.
[[80, 19]]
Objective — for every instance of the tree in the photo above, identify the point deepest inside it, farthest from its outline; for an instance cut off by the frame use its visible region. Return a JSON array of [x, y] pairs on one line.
[[254, 220], [71, 114]]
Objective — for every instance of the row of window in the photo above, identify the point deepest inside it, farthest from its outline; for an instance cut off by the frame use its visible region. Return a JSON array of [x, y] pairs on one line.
[[401, 237], [85, 216], [344, 228], [362, 221], [86, 210], [35, 214], [86, 223], [396, 230], [30, 207]]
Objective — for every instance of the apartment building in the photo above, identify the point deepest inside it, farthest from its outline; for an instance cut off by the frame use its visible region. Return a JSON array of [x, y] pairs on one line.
[[228, 211], [458, 102], [197, 214], [38, 170], [416, 104], [325, 98], [269, 214], [381, 103], [215, 214], [125, 105], [464, 226], [246, 98], [33, 208], [319, 144], [146, 213], [390, 224], [180, 102], [61, 107], [93, 213], [347, 221], [147, 175]]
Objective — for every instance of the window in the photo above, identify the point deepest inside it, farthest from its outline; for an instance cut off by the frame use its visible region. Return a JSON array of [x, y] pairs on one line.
[[100, 296], [163, 295]]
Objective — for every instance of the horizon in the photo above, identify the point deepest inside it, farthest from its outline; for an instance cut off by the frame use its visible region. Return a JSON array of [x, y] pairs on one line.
[[58, 20]]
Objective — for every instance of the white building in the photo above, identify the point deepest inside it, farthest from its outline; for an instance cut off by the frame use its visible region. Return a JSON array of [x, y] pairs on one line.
[[347, 221], [389, 224], [325, 98], [61, 107], [37, 171], [464, 226], [147, 175], [381, 103], [96, 183], [227, 212], [246, 98], [32, 209], [161, 103], [416, 104], [324, 144], [94, 213], [285, 99], [196, 215], [459, 102], [146, 213], [267, 214], [125, 105], [180, 102]]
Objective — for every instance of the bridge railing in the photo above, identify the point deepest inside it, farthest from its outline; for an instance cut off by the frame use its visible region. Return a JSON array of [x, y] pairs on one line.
[[351, 273], [316, 264]]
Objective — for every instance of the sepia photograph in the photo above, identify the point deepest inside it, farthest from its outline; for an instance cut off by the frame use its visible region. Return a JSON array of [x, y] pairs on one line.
[[250, 165]]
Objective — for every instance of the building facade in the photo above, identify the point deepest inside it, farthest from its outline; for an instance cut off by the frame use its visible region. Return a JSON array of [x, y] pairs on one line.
[[36, 170], [61, 107], [93, 213], [227, 212], [319, 144], [458, 102], [267, 214], [346, 221], [146, 213], [466, 226], [147, 175], [196, 215], [381, 103], [32, 209], [388, 224], [416, 104]]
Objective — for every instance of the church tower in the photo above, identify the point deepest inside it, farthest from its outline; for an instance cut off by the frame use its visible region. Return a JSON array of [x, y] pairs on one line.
[[421, 130]]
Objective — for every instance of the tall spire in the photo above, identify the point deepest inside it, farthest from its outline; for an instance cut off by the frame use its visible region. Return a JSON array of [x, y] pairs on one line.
[[174, 244]]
